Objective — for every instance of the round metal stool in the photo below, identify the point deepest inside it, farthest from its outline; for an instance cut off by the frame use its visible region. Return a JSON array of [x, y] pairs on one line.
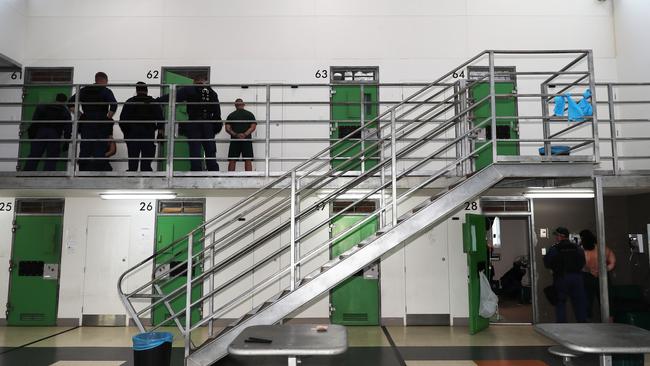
[[566, 354]]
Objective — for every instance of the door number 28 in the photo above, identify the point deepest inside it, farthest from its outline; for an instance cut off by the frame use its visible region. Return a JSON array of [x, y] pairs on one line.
[[471, 206]]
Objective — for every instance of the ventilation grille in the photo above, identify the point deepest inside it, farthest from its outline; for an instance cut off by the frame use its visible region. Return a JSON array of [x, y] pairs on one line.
[[355, 317], [32, 317], [49, 76], [366, 206], [505, 206]]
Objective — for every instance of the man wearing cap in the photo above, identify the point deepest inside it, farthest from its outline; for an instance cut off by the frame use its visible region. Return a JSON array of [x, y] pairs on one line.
[[566, 260]]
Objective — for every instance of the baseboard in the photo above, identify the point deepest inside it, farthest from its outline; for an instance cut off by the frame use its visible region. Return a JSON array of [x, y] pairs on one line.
[[3, 322], [461, 322], [427, 319], [145, 322], [67, 322], [392, 322], [103, 320], [307, 321]]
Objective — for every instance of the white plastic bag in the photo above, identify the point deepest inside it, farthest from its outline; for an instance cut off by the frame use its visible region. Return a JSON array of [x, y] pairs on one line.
[[489, 301]]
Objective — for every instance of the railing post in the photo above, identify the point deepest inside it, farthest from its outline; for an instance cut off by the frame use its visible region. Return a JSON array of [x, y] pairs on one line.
[[393, 165], [211, 269], [601, 250], [267, 133], [612, 127], [72, 148], [546, 126], [382, 175], [362, 114], [171, 131], [292, 279], [594, 118], [493, 108], [188, 295]]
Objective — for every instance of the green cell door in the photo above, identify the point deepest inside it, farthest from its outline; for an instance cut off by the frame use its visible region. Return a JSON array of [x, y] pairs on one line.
[[475, 246], [34, 270], [168, 229], [32, 96], [356, 300], [181, 148], [346, 114], [507, 128]]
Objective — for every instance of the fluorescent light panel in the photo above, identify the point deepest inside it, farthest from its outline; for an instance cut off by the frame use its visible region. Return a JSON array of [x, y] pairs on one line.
[[131, 195], [559, 193]]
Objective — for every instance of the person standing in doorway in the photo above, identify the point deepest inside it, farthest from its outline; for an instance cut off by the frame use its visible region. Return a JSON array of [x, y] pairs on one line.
[[143, 108], [98, 105], [48, 129], [566, 260], [204, 123], [590, 272], [240, 130]]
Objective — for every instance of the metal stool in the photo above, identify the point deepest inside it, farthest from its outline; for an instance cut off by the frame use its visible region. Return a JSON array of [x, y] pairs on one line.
[[566, 354]]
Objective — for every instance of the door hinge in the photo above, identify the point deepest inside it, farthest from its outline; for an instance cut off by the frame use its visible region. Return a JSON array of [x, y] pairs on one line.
[[14, 227], [11, 265]]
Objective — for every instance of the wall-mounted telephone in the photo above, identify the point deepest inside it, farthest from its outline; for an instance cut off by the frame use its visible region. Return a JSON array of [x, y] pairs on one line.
[[636, 243]]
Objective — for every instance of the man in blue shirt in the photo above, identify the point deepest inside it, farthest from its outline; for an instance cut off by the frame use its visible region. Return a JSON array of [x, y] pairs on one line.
[[96, 122]]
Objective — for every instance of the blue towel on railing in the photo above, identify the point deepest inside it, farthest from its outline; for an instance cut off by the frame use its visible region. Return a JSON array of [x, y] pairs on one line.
[[577, 111]]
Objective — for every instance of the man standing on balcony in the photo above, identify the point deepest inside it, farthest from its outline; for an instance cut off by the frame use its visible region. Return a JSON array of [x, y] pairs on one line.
[[95, 123], [142, 107], [202, 108], [240, 131], [48, 129]]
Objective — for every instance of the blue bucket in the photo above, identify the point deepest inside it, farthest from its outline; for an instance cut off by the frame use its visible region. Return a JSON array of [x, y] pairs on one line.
[[150, 340], [556, 150]]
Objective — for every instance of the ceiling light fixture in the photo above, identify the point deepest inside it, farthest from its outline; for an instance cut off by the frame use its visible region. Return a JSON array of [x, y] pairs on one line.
[[559, 193], [134, 195]]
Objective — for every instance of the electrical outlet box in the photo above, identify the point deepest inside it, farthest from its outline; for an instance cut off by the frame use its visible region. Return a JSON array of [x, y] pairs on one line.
[[543, 233], [636, 243], [543, 251]]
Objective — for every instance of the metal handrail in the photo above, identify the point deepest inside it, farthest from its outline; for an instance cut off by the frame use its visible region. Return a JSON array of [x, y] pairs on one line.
[[289, 181]]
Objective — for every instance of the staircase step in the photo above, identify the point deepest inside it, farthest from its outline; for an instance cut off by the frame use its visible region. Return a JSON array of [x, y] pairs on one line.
[[224, 330], [329, 264]]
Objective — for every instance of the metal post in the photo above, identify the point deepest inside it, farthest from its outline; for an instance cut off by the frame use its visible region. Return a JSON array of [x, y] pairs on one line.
[[612, 127], [382, 175], [297, 234], [602, 257], [493, 108], [546, 127], [212, 256], [292, 280], [393, 165], [594, 122], [267, 136], [171, 131], [362, 114], [188, 295], [72, 149]]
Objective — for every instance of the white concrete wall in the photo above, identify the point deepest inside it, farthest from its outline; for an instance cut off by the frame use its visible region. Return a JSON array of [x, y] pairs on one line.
[[6, 240], [632, 29], [13, 22], [253, 41]]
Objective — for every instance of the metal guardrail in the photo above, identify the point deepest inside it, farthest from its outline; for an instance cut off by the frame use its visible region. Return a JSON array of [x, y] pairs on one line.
[[294, 120], [285, 214]]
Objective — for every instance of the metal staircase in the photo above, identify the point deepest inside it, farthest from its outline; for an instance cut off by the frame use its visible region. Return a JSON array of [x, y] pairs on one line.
[[268, 255]]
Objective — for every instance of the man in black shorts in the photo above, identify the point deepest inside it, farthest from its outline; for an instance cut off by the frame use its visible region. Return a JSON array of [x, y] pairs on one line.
[[240, 129]]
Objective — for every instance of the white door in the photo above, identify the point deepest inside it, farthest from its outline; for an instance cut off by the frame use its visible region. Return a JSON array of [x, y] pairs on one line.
[[107, 245]]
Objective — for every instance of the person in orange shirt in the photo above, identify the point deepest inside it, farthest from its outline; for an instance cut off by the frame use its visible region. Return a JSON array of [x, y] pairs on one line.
[[590, 271]]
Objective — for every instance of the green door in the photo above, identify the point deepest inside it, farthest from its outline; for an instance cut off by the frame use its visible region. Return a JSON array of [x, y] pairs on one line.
[[346, 114], [33, 95], [475, 246], [168, 229], [34, 276], [356, 300], [507, 128], [181, 148]]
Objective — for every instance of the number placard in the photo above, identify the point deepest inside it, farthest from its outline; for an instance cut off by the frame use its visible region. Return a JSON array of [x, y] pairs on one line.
[[471, 206], [153, 74], [457, 74], [146, 206], [321, 74], [6, 206], [16, 75]]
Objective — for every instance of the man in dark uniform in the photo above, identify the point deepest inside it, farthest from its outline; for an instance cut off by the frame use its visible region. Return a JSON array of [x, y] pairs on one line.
[[240, 131], [203, 107], [49, 129], [96, 123], [567, 259], [141, 107]]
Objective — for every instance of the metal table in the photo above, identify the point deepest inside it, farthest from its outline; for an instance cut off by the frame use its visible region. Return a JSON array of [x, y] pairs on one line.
[[600, 338], [291, 341]]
